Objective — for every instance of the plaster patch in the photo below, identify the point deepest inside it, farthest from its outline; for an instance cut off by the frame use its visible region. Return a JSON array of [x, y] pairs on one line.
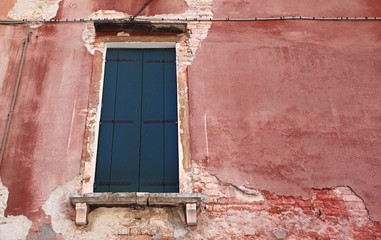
[[214, 188], [34, 9], [186, 52], [355, 205], [57, 207], [249, 195], [88, 34], [11, 227], [3, 198], [111, 223], [123, 34]]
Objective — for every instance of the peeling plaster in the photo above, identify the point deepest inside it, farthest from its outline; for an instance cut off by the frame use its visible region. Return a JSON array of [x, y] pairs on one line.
[[198, 31], [112, 223], [3, 198], [57, 206], [237, 212], [34, 9], [11, 227], [251, 220], [214, 188], [88, 34]]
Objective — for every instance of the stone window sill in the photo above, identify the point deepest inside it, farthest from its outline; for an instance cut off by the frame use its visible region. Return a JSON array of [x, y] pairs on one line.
[[82, 202]]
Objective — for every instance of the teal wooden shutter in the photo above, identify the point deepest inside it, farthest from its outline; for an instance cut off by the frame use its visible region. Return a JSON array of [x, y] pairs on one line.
[[138, 149]]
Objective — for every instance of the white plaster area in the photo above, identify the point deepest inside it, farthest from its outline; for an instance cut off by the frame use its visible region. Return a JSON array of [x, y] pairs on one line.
[[213, 188], [58, 207], [198, 31], [111, 223], [88, 34], [34, 9], [11, 227], [3, 198]]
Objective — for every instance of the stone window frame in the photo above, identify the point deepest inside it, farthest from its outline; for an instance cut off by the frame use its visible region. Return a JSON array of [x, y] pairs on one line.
[[182, 106]]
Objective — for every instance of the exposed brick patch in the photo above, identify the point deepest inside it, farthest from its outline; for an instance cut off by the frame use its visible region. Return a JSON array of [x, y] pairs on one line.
[[336, 213]]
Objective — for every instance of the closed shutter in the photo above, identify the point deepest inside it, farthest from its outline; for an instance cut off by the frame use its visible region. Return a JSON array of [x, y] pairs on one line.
[[137, 149]]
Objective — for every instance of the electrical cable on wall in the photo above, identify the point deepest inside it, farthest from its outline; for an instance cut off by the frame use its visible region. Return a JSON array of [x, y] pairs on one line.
[[145, 19]]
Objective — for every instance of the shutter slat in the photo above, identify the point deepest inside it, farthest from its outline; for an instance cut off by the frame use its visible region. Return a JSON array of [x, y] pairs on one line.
[[125, 155], [152, 152]]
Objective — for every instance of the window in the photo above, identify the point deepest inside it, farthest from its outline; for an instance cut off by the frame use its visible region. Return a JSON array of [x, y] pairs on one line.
[[138, 145]]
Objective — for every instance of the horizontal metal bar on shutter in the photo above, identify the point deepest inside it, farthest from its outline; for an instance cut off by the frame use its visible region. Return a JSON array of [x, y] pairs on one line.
[[160, 184], [120, 60], [161, 61], [116, 121], [111, 183], [161, 121]]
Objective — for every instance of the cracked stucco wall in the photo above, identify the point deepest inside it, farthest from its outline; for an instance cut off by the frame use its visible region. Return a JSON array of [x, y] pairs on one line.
[[11, 227], [229, 212]]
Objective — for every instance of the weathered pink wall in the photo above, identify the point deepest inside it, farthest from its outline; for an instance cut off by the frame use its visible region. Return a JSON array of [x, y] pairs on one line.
[[47, 128], [5, 6], [81, 9], [283, 106], [286, 106], [321, 8], [46, 136], [11, 44]]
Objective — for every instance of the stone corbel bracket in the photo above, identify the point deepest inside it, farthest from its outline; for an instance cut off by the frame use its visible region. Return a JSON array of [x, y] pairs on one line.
[[191, 201]]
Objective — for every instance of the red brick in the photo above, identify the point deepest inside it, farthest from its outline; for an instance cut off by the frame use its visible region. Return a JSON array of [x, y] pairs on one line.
[[164, 238], [283, 201], [364, 235], [141, 237], [306, 203], [334, 212], [308, 212], [197, 188], [328, 197], [330, 204]]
